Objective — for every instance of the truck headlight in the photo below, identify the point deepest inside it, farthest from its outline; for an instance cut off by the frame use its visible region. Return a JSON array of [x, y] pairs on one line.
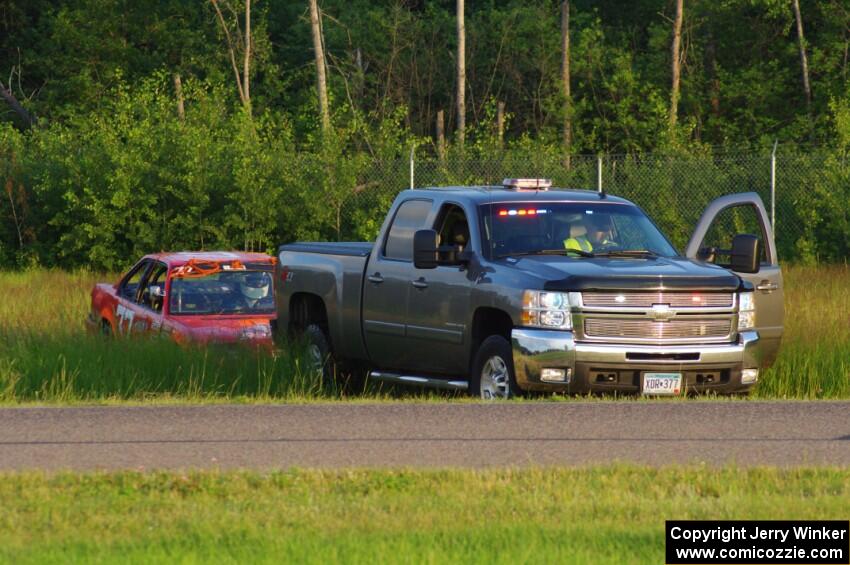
[[746, 311], [546, 310]]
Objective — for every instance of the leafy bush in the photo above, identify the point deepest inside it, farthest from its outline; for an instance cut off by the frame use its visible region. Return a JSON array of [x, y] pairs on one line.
[[103, 188]]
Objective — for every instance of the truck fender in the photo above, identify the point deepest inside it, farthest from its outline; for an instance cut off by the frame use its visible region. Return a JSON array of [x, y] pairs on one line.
[[487, 321]]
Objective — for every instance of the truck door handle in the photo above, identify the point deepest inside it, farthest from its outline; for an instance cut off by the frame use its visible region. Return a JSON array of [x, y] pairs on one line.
[[767, 286], [419, 283], [376, 278]]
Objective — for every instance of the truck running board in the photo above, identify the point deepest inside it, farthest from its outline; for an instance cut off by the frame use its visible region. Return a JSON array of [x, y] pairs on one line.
[[419, 381]]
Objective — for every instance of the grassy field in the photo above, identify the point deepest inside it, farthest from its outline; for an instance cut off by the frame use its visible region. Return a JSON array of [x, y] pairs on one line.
[[603, 514], [45, 355]]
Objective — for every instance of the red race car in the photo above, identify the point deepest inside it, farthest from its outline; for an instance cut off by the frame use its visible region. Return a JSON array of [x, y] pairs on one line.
[[200, 297]]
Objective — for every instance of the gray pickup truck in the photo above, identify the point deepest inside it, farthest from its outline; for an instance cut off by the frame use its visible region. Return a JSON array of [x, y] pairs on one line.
[[501, 290]]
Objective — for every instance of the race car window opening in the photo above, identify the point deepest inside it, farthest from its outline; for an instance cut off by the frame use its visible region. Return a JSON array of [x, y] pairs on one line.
[[528, 228], [156, 277], [129, 287], [248, 291], [453, 227], [409, 217]]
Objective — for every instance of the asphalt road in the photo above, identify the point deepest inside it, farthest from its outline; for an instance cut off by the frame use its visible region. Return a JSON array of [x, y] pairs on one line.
[[425, 435]]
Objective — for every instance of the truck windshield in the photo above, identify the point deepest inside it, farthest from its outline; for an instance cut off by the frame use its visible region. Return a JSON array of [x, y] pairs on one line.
[[576, 229], [224, 292]]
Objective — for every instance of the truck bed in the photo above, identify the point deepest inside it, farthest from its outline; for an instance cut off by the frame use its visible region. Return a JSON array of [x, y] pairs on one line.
[[344, 248], [334, 272]]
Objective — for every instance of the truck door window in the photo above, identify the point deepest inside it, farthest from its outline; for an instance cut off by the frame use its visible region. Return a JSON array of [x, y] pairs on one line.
[[411, 216], [129, 288], [452, 226], [732, 221]]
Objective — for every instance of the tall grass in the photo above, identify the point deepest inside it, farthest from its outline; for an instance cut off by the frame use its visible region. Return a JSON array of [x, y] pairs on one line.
[[814, 361], [46, 356]]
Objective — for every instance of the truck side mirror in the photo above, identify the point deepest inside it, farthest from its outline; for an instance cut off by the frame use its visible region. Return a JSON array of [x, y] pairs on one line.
[[426, 245], [707, 254], [745, 254]]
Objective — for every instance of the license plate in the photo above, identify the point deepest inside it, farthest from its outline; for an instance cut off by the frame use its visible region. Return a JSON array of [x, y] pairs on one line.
[[658, 384]]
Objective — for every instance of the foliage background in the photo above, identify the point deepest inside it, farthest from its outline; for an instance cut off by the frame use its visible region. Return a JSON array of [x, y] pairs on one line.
[[110, 171]]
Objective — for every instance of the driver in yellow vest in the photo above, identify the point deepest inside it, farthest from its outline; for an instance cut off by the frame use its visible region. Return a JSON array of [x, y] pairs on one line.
[[578, 237]]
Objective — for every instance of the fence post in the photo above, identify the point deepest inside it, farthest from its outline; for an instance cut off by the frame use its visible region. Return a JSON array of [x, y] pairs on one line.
[[599, 174], [412, 150], [773, 187]]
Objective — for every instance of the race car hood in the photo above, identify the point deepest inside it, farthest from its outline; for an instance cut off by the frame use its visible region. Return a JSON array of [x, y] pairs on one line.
[[226, 329], [651, 274]]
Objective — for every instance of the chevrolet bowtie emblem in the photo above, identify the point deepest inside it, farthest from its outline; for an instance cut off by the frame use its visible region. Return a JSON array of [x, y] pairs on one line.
[[661, 312]]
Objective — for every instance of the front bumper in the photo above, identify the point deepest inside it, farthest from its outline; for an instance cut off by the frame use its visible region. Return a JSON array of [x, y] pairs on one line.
[[595, 367]]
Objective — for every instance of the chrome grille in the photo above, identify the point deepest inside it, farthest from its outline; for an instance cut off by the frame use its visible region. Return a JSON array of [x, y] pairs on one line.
[[647, 299], [650, 329]]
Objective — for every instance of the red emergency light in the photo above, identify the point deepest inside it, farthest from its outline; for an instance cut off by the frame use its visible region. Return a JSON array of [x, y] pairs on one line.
[[521, 212]]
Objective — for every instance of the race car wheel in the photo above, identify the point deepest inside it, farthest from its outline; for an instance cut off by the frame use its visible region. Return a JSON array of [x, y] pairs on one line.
[[492, 375], [319, 358]]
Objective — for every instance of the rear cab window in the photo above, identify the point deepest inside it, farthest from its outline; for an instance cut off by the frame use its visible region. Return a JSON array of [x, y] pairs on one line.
[[410, 217]]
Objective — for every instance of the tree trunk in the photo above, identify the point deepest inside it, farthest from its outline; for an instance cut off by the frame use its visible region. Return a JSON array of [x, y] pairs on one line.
[[804, 62], [321, 81], [711, 63], [178, 92], [10, 191], [231, 49], [565, 81], [675, 67], [441, 136], [246, 66], [500, 123], [29, 119], [461, 74]]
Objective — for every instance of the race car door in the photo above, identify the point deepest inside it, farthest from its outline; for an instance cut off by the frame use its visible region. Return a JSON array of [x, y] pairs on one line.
[[152, 299], [136, 310], [127, 294], [735, 214]]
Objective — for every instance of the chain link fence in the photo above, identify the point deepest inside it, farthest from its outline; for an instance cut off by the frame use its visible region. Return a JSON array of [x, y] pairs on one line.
[[810, 201]]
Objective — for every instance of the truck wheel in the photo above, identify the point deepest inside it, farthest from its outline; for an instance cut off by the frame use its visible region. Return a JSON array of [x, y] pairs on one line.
[[319, 352], [493, 370]]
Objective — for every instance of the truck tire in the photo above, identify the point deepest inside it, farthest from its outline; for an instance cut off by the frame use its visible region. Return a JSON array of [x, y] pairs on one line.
[[493, 370], [319, 356]]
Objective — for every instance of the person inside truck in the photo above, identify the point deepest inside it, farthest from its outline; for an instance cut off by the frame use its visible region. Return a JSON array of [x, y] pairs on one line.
[[455, 229], [577, 236], [460, 234], [601, 231]]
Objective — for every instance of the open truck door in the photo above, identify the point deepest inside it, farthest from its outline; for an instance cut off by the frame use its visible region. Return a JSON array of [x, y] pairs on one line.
[[724, 235]]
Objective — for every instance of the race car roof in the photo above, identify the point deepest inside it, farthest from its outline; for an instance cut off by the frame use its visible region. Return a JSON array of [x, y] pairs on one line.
[[178, 258]]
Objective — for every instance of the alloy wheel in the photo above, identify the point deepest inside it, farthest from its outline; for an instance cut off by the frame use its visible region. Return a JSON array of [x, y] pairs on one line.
[[495, 379]]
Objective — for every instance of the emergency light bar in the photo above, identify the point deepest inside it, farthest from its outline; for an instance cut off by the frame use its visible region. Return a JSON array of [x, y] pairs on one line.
[[527, 184]]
